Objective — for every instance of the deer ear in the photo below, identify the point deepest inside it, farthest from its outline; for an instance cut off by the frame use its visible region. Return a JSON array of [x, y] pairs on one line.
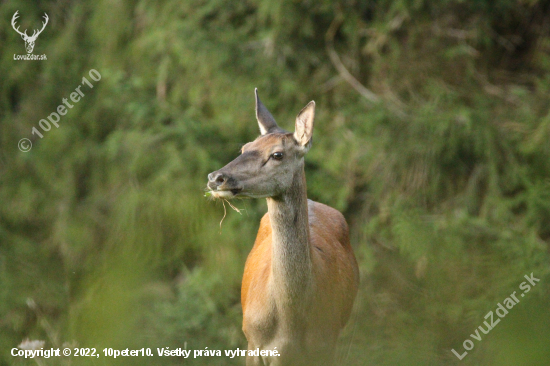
[[265, 119], [304, 125]]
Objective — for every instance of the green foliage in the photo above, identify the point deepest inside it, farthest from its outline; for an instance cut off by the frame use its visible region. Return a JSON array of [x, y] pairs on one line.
[[445, 181], [204, 314]]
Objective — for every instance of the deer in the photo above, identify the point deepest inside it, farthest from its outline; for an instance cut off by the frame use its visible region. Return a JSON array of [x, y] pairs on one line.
[[29, 41], [301, 277]]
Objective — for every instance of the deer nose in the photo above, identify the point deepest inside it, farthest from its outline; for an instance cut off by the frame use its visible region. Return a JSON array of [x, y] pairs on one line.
[[217, 178]]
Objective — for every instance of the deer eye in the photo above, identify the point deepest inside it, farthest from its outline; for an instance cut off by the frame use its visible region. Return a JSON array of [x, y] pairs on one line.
[[277, 155]]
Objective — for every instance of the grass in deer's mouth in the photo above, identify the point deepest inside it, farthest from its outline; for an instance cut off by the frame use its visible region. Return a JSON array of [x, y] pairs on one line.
[[211, 194], [225, 211], [220, 194]]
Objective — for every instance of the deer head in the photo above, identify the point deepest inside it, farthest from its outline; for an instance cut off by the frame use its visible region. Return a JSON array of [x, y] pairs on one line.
[[267, 166], [29, 41]]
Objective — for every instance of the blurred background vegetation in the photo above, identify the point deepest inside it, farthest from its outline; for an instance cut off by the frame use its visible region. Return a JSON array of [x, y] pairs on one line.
[[432, 137]]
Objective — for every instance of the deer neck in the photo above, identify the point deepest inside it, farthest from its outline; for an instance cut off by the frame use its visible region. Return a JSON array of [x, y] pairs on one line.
[[291, 257]]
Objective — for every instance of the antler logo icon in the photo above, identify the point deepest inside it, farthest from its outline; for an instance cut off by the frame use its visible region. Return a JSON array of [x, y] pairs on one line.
[[29, 41]]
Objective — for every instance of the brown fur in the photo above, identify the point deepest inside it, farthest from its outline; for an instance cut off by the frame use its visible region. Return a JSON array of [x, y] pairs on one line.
[[336, 280]]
